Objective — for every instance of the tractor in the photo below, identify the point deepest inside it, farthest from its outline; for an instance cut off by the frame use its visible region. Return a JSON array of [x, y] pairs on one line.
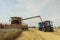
[[46, 26]]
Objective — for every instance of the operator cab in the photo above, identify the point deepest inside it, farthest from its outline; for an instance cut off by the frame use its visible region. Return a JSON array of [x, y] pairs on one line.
[[15, 22], [48, 23]]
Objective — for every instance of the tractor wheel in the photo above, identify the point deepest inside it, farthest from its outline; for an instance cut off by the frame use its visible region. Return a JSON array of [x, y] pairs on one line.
[[44, 29], [52, 30], [40, 29]]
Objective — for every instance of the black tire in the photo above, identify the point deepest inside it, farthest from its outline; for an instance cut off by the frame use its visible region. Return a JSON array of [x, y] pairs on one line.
[[40, 29], [44, 29], [51, 30]]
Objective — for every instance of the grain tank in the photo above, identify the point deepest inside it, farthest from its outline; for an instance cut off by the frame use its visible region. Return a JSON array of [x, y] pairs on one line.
[[16, 20]]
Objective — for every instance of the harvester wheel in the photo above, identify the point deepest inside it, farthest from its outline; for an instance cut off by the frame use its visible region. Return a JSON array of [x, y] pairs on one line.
[[24, 29]]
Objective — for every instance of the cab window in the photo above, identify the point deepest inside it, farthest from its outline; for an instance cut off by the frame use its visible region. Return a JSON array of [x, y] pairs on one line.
[[47, 24]]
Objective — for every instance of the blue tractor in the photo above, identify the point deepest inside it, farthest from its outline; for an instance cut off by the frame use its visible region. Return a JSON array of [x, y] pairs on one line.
[[46, 26]]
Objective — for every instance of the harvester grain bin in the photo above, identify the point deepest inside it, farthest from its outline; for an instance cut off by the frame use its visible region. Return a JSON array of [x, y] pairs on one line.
[[16, 20]]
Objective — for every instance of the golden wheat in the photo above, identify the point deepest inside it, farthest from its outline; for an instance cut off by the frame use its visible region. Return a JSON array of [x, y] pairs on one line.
[[9, 34], [35, 34]]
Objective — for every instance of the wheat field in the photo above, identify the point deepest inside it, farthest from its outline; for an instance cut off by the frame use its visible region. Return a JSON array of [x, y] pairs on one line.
[[9, 34], [35, 34], [30, 34]]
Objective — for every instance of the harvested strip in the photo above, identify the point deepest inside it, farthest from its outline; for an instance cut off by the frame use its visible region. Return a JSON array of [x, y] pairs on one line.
[[35, 34]]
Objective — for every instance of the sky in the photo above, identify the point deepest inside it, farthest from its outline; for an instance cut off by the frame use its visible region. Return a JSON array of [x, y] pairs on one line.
[[47, 9]]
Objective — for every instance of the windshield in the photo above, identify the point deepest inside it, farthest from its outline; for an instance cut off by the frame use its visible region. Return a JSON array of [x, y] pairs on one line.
[[51, 23], [47, 23]]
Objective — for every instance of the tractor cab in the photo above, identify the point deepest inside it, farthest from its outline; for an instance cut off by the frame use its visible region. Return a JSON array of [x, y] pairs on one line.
[[48, 23]]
